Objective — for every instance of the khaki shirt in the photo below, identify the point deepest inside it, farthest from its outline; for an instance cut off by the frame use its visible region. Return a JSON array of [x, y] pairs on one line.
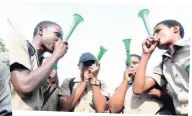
[[24, 53], [172, 71], [140, 104], [85, 103], [5, 92]]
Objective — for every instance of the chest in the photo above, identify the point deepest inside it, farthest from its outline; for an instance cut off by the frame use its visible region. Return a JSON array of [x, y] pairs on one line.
[[139, 104]]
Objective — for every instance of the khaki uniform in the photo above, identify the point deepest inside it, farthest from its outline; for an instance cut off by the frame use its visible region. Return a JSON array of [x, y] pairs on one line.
[[172, 71], [5, 94], [85, 103], [24, 53], [141, 104]]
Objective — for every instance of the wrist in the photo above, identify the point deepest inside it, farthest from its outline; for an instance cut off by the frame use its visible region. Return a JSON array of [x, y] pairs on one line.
[[146, 54], [126, 81], [55, 57], [95, 82]]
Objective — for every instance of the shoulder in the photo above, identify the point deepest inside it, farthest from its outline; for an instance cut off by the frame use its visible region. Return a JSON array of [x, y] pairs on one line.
[[16, 39], [3, 67], [66, 81]]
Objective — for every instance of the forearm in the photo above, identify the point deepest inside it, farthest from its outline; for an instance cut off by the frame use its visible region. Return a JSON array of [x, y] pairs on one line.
[[99, 99], [37, 77], [139, 81], [116, 102], [70, 101]]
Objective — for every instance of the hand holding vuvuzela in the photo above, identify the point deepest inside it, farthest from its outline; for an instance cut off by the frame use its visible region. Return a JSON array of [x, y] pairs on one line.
[[150, 42], [60, 48]]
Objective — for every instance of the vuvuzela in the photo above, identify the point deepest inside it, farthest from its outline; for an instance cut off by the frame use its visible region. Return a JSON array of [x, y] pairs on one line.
[[127, 43], [101, 53], [143, 14], [77, 19]]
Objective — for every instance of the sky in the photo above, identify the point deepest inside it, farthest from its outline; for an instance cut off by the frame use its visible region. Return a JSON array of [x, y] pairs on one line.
[[104, 24]]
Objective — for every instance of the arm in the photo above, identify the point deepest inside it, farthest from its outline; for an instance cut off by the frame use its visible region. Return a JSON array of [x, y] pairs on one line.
[[68, 101], [99, 98], [141, 83], [116, 102], [26, 81]]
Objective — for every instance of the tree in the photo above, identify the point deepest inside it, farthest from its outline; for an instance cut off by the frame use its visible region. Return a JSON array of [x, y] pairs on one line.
[[2, 46], [4, 52]]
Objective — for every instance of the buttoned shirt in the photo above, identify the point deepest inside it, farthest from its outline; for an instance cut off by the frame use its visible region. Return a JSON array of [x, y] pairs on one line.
[[173, 73]]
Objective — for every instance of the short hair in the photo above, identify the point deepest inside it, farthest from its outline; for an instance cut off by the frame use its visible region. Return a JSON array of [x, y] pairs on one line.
[[44, 24], [135, 55], [132, 55], [172, 23]]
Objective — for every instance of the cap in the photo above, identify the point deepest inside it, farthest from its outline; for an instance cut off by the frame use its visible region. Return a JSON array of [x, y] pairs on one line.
[[86, 57]]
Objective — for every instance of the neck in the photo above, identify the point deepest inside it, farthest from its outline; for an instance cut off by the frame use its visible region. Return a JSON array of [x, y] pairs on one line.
[[175, 38], [38, 46]]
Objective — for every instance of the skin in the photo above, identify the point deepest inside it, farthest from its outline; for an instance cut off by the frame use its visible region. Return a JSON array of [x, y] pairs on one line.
[[88, 74], [47, 39], [116, 102], [164, 38]]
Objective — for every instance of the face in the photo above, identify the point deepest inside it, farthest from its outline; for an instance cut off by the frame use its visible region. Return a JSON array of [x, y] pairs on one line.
[[134, 62], [50, 35], [85, 66], [165, 34]]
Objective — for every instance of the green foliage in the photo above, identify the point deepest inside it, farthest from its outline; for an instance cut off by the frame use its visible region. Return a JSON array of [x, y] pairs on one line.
[[2, 46], [3, 49]]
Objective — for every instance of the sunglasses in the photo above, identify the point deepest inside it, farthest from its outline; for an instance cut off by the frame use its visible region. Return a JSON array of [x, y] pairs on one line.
[[88, 63]]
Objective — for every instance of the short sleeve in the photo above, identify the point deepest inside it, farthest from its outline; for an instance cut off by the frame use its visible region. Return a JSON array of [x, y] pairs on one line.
[[104, 90], [64, 88], [157, 75], [5, 92], [18, 50]]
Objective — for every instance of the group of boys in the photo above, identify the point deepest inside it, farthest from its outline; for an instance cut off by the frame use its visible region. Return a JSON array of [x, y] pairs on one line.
[[35, 81]]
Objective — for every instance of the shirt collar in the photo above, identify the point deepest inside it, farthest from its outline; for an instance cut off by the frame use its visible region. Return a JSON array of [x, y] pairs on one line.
[[177, 45], [77, 79]]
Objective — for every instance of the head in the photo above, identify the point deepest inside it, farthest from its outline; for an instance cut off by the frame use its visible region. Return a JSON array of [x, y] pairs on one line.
[[86, 60], [135, 59], [48, 33], [168, 31]]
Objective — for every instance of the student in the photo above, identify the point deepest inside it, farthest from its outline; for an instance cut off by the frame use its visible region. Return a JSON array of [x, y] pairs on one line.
[[29, 78], [5, 91], [171, 74], [84, 93], [126, 102]]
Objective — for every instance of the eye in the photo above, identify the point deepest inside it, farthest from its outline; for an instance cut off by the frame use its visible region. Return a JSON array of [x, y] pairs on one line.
[[57, 34], [157, 30]]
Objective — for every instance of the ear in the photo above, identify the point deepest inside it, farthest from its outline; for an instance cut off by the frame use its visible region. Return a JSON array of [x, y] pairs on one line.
[[79, 66], [40, 31], [176, 29]]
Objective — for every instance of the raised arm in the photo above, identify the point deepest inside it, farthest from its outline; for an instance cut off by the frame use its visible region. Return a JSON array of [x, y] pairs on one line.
[[24, 79], [116, 102], [141, 82], [67, 101]]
